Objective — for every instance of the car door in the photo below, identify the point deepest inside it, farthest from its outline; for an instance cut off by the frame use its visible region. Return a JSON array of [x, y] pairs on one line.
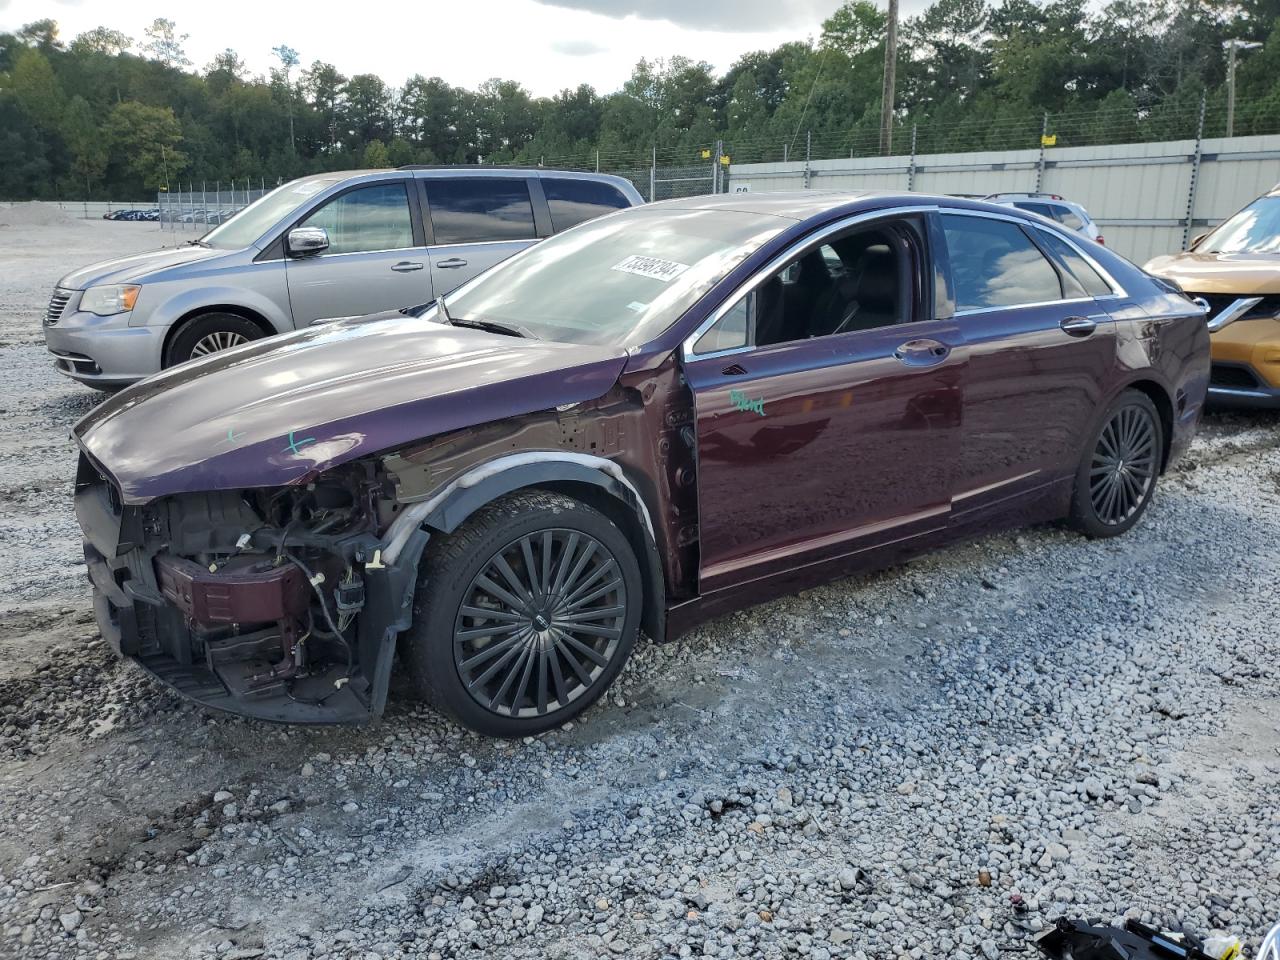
[[474, 223], [818, 439], [1040, 346], [376, 259]]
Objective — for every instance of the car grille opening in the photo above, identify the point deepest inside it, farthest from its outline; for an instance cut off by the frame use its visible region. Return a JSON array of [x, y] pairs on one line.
[[1229, 375], [57, 303], [1266, 307]]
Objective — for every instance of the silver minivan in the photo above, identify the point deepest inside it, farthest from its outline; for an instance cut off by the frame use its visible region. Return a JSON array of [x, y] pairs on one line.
[[315, 250]]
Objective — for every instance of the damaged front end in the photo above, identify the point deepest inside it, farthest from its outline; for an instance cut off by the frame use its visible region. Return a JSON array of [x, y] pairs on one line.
[[274, 604]]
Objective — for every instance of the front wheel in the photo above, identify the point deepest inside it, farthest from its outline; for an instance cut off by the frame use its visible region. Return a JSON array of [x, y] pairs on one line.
[[1117, 475], [207, 334], [524, 615]]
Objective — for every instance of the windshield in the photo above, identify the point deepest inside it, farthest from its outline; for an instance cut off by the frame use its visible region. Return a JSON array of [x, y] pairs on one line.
[[257, 218], [1255, 229], [618, 280]]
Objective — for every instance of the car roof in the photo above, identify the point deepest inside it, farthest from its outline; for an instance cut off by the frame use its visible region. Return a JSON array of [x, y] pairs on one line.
[[803, 205]]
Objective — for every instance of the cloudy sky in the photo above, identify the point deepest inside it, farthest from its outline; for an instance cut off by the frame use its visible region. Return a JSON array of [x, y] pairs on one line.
[[543, 44]]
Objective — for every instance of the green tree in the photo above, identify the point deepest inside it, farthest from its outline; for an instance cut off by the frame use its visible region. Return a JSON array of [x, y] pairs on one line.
[[102, 40], [145, 139], [165, 44], [37, 89], [376, 156], [83, 138], [856, 27]]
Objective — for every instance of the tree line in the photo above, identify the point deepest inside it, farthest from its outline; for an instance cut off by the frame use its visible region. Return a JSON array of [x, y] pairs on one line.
[[109, 115]]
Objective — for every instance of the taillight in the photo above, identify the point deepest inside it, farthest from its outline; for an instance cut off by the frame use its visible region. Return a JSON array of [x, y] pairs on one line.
[[1101, 240]]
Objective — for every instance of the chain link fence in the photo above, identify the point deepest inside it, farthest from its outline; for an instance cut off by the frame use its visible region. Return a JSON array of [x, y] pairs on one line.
[[199, 205]]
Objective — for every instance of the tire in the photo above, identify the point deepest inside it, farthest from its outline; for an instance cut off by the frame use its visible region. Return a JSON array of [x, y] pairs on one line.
[[199, 336], [1117, 476], [522, 670]]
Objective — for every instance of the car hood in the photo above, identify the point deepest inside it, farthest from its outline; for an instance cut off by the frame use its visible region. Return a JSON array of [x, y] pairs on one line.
[[139, 266], [278, 411], [1233, 273]]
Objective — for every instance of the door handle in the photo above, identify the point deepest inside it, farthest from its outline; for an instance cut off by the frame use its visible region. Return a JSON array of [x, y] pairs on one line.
[[1078, 326], [452, 263], [921, 353], [405, 266]]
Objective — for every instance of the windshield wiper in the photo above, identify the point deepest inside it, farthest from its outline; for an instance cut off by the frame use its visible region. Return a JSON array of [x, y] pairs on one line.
[[493, 326]]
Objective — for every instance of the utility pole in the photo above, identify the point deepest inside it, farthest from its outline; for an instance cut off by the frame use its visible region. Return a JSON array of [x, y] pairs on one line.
[[1232, 46], [890, 69]]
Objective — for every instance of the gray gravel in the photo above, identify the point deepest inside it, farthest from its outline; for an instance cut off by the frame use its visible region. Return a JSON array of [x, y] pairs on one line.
[[933, 761]]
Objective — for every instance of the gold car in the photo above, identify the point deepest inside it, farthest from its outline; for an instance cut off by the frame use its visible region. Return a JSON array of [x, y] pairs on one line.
[[1235, 270]]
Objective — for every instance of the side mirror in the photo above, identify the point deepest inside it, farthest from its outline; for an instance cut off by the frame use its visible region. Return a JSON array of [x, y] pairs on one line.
[[305, 241]]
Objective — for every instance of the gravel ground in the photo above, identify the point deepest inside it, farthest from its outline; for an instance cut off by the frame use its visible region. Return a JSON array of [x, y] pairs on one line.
[[933, 761]]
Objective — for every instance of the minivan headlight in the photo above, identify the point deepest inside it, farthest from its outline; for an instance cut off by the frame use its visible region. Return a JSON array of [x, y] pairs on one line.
[[110, 298]]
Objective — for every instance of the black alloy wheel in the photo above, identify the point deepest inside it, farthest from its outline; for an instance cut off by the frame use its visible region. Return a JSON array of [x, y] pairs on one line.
[[1117, 476], [523, 615], [540, 623], [1124, 467]]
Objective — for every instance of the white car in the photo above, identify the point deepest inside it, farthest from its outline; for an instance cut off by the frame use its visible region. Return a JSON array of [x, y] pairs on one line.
[[1054, 207]]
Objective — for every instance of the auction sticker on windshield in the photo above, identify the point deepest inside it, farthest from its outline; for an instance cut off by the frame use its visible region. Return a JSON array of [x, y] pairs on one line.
[[658, 269]]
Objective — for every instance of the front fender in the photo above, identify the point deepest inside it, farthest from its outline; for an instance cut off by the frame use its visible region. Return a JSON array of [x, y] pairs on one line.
[[447, 509], [264, 292]]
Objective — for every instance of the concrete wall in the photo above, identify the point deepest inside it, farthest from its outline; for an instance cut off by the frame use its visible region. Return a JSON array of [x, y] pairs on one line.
[[1138, 193]]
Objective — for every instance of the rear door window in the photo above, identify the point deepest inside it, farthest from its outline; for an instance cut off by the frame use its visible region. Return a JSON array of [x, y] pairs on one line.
[[480, 209], [995, 264], [575, 201]]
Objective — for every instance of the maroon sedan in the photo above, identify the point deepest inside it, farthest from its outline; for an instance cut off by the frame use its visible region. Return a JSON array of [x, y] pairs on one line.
[[666, 414]]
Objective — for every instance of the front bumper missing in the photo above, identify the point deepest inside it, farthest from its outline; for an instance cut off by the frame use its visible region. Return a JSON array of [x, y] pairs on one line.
[[182, 623]]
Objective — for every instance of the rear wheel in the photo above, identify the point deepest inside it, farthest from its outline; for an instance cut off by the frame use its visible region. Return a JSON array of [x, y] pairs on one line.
[[1117, 476], [524, 615], [208, 334]]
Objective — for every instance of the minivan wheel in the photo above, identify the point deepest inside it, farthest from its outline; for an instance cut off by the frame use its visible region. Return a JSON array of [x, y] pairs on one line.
[[207, 334], [524, 615], [1117, 476]]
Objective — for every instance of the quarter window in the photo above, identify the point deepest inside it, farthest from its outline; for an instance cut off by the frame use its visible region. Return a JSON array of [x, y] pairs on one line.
[[479, 209], [574, 201], [369, 218], [995, 264], [1079, 267]]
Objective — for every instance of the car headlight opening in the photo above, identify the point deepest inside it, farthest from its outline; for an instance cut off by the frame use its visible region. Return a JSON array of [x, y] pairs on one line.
[[110, 299]]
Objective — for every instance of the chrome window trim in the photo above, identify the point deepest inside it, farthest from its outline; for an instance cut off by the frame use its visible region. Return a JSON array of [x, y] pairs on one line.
[[1117, 291], [479, 243], [777, 263]]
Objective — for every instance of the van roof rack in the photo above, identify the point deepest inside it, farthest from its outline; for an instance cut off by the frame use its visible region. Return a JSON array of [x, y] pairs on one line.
[[1023, 193]]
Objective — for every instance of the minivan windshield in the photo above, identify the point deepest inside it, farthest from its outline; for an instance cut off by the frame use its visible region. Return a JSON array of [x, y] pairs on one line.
[[257, 218], [1255, 229], [618, 280]]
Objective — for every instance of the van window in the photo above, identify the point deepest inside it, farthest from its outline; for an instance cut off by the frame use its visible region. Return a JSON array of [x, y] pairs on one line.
[[369, 218], [1069, 217], [995, 264], [479, 209], [574, 201]]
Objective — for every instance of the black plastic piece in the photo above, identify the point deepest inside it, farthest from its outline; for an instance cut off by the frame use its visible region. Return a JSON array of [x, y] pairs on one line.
[[1078, 940]]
